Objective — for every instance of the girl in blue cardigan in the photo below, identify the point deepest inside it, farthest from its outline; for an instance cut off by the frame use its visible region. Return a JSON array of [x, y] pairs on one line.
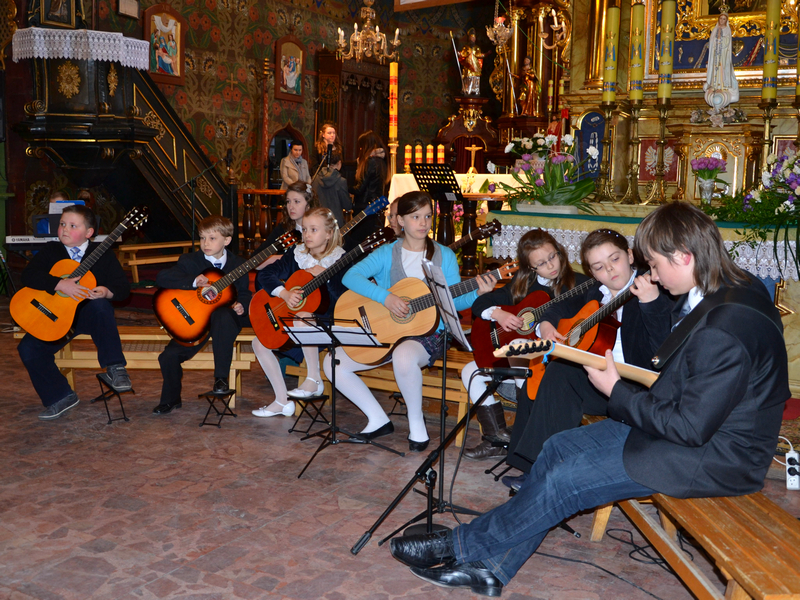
[[387, 266]]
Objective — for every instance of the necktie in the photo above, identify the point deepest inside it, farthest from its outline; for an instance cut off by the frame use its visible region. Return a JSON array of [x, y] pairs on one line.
[[218, 265], [685, 310], [76, 253]]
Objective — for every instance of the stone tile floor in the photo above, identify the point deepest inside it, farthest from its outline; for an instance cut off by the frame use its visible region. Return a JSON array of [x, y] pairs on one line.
[[161, 508]]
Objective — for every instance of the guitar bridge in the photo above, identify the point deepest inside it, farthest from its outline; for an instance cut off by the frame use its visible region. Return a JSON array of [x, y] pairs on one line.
[[184, 313], [272, 320], [364, 319], [44, 310], [493, 335]]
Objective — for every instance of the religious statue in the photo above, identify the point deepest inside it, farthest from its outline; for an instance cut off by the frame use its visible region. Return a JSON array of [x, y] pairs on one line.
[[528, 94], [721, 87], [471, 59]]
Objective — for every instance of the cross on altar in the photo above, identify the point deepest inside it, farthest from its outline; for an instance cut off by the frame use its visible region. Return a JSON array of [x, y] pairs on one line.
[[472, 150]]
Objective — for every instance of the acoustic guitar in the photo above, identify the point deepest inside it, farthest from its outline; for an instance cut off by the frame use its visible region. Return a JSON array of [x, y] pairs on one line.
[[267, 311], [593, 330], [488, 336], [186, 314], [421, 320], [49, 317], [481, 233], [537, 349]]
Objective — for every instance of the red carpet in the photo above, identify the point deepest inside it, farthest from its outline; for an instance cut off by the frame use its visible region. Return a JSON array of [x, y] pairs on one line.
[[792, 409]]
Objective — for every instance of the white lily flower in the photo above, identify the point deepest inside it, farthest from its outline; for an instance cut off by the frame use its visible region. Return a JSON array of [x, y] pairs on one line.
[[509, 148], [765, 179], [550, 139], [491, 167], [568, 139], [592, 152]]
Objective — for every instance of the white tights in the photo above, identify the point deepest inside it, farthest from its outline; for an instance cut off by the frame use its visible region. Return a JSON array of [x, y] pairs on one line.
[[272, 368], [479, 381], [408, 359]]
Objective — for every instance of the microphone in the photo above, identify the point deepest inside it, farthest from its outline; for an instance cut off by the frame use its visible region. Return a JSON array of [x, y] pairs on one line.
[[510, 373], [229, 158], [328, 156]]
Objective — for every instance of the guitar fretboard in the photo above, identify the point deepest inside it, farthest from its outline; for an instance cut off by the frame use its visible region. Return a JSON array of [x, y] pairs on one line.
[[346, 260], [287, 240], [92, 259], [457, 289], [536, 314]]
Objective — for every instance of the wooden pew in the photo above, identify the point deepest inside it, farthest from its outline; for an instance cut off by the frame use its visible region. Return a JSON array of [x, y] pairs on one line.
[[129, 255]]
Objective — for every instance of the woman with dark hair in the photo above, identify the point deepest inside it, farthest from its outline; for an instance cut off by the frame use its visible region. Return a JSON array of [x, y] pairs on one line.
[[371, 179], [388, 265]]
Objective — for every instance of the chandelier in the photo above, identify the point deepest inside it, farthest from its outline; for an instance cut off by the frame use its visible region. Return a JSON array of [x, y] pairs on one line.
[[369, 42]]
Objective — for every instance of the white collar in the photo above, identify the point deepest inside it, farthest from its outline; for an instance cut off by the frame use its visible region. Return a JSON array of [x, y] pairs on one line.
[[304, 259], [84, 246], [213, 259], [693, 298], [607, 295], [544, 281]]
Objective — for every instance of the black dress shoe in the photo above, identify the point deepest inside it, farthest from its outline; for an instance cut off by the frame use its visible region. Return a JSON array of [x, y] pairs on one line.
[[163, 409], [417, 446], [379, 432], [423, 550], [474, 576], [221, 386], [514, 482]]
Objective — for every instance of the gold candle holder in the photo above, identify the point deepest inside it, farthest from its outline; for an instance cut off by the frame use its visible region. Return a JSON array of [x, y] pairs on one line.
[[796, 106], [393, 145], [604, 189], [657, 193], [632, 195], [768, 106]]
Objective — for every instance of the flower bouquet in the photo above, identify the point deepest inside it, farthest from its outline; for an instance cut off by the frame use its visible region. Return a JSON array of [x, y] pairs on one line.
[[547, 176], [772, 211], [706, 170]]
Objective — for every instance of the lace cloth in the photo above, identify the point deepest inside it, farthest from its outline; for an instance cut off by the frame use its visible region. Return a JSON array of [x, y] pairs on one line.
[[759, 261], [80, 44]]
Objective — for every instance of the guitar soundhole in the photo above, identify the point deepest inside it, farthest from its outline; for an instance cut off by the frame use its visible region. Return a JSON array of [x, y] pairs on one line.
[[528, 323], [403, 320], [207, 295]]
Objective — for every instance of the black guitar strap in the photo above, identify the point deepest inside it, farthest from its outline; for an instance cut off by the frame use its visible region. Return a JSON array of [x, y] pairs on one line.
[[741, 296]]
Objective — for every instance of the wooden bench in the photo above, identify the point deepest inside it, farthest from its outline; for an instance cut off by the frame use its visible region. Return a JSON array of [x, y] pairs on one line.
[[129, 255], [142, 345], [754, 543], [382, 378]]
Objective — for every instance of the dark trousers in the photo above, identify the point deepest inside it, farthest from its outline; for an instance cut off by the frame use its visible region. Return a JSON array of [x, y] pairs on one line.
[[93, 317], [564, 395], [224, 327]]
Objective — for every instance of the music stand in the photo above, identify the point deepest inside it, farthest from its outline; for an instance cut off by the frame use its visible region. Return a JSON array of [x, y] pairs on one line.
[[439, 181], [331, 333]]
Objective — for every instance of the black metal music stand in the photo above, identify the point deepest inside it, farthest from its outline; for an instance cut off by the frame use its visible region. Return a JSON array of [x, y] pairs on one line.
[[439, 181], [332, 333]]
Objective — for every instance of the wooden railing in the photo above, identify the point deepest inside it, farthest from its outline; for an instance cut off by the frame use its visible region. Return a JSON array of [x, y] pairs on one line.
[[262, 210]]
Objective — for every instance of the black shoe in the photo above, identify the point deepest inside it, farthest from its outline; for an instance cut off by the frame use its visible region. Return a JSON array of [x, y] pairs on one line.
[[221, 386], [514, 482], [423, 550], [163, 409], [54, 411], [484, 451], [379, 432], [474, 576], [417, 446], [117, 378]]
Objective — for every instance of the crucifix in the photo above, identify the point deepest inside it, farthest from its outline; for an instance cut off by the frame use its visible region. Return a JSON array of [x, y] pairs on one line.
[[472, 150]]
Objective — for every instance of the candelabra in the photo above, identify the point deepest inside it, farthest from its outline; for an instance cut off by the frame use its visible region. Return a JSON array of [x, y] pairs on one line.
[[369, 42], [769, 107], [657, 193], [604, 190], [632, 195]]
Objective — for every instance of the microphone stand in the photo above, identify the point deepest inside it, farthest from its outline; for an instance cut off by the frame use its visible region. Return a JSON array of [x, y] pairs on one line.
[[192, 183]]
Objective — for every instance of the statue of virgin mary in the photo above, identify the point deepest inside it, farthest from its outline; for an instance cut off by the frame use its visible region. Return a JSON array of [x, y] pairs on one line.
[[721, 87]]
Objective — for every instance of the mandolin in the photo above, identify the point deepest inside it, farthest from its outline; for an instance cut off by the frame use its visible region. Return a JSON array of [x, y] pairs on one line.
[[421, 320], [481, 233], [186, 314], [50, 316], [267, 311], [488, 336]]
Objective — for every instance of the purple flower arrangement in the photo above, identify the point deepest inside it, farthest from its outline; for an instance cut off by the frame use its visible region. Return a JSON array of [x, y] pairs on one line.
[[708, 167]]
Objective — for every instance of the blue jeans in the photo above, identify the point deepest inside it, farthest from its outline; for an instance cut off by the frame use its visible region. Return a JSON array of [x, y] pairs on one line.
[[577, 470]]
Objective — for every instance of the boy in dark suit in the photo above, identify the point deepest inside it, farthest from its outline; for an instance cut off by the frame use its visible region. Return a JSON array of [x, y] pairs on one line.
[[707, 427], [226, 322], [95, 317]]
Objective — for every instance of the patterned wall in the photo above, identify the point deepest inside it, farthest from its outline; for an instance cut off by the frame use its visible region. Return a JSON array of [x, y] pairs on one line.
[[228, 40]]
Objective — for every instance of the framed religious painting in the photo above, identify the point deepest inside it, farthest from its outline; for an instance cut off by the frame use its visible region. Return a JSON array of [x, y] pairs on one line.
[[165, 29], [57, 13], [781, 144], [290, 54]]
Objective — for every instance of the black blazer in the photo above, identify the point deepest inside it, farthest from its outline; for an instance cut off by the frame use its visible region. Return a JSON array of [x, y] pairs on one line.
[[373, 185], [502, 296], [107, 270], [708, 426], [644, 327], [278, 272], [189, 266]]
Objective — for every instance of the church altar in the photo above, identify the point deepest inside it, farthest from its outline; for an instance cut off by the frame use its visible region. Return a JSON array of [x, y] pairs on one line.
[[403, 183]]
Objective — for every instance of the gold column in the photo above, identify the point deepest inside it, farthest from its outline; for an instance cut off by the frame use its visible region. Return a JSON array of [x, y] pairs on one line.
[[512, 56], [594, 44], [540, 57]]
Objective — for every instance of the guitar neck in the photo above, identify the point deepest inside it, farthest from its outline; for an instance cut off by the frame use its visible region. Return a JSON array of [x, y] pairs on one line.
[[463, 241], [321, 279], [247, 266], [538, 348], [605, 310], [577, 290], [353, 222], [456, 290], [90, 261]]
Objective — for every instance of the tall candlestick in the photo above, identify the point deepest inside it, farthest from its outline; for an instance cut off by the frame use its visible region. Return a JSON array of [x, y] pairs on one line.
[[560, 87], [393, 101], [429, 154], [611, 49], [636, 91], [667, 47], [769, 87], [418, 153], [440, 154]]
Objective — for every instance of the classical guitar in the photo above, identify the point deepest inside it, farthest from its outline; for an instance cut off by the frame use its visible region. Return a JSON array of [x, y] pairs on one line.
[[186, 314], [537, 349], [50, 316], [488, 336], [481, 233], [422, 318], [593, 329], [373, 209], [266, 311]]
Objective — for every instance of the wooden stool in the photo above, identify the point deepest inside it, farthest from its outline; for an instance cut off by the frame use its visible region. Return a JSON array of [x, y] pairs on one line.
[[224, 399], [106, 393], [312, 408]]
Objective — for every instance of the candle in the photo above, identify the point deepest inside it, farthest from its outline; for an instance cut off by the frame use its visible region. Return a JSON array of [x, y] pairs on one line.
[[560, 87], [635, 90], [396, 36], [429, 154], [610, 54], [667, 41], [418, 153], [440, 154], [769, 87], [393, 101], [409, 153]]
